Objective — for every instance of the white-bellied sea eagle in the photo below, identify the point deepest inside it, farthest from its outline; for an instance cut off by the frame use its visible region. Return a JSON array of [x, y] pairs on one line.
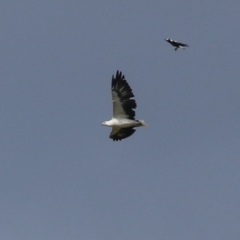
[[123, 121]]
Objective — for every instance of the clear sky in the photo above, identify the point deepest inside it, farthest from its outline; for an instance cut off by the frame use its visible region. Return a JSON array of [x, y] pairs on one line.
[[61, 177]]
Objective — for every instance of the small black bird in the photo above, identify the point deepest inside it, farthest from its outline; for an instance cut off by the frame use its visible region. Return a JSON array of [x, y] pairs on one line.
[[176, 44]]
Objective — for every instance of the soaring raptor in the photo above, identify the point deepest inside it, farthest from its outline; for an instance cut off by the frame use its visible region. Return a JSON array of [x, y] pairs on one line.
[[123, 121]]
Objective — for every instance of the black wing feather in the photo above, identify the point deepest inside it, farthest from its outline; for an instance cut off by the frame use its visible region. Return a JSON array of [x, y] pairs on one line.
[[122, 133], [125, 94]]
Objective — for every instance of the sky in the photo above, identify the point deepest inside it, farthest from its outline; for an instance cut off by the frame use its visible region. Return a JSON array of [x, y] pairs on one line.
[[62, 177]]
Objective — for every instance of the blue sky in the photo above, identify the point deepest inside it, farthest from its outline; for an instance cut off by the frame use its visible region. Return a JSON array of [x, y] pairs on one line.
[[62, 177]]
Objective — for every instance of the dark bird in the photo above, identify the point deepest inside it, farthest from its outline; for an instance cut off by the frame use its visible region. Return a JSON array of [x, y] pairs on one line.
[[176, 44]]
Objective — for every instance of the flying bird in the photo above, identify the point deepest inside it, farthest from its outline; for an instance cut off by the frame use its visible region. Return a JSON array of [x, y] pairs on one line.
[[123, 121], [176, 44]]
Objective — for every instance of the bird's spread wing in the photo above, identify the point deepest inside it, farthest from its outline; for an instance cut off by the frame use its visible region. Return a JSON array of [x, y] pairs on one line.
[[121, 133], [122, 97]]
